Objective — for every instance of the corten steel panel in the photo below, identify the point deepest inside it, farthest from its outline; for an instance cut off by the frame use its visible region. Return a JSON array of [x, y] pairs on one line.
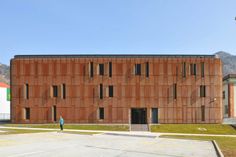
[[130, 91]]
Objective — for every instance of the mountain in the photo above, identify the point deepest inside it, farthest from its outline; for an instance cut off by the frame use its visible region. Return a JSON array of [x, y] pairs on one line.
[[229, 62], [4, 73]]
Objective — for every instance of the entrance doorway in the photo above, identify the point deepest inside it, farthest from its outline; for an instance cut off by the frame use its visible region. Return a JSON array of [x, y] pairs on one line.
[[138, 116], [154, 115]]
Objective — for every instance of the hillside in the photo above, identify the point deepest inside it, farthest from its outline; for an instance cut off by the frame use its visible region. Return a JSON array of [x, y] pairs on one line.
[[229, 62], [4, 73]]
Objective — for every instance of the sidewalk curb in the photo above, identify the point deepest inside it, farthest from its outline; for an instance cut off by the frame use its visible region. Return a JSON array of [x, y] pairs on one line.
[[130, 135], [218, 151]]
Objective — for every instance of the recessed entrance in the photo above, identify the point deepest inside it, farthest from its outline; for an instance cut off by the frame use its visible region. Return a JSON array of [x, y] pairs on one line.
[[138, 116]]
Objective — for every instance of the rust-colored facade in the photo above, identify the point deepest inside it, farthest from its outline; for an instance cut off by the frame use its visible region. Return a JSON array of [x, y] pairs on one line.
[[116, 88]]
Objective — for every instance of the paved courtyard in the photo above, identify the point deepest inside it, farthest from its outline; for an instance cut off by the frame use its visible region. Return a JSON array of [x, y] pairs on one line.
[[55, 144]]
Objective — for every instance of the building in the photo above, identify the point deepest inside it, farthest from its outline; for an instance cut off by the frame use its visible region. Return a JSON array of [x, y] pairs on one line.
[[229, 96], [136, 89], [4, 101]]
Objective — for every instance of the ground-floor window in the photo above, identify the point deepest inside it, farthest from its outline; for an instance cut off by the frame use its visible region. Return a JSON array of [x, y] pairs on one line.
[[27, 113], [203, 112], [101, 113], [154, 115], [226, 109]]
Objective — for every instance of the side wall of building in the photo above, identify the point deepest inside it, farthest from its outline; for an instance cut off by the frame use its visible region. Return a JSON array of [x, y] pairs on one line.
[[130, 91]]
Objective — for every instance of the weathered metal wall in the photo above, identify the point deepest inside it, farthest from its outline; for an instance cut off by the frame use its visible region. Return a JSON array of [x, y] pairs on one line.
[[82, 101]]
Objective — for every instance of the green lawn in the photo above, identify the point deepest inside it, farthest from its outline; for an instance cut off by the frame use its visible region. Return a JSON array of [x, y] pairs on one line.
[[226, 144], [75, 126], [19, 131], [194, 128]]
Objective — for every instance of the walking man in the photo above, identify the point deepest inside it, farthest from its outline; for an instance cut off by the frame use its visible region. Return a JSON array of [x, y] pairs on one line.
[[61, 121]]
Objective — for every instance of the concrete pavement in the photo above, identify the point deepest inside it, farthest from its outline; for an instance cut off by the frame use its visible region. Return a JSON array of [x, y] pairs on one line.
[[53, 144]]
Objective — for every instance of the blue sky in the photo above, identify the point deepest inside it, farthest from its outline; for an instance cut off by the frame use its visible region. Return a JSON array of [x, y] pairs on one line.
[[116, 26]]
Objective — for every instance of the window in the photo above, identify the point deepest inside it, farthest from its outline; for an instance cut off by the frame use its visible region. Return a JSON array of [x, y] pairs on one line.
[[91, 69], [101, 113], [101, 69], [26, 91], [202, 69], [193, 69], [175, 91], [202, 91], [110, 69], [101, 91], [184, 70], [203, 113], [226, 109], [223, 94], [137, 69], [110, 91], [63, 91], [54, 91], [147, 69], [27, 113]]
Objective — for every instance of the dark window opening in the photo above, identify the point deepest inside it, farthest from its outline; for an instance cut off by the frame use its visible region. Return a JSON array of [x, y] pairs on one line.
[[202, 69], [175, 91], [26, 91], [202, 91], [226, 109], [138, 116], [27, 113], [101, 113], [203, 113], [184, 69], [91, 69], [154, 115], [147, 69], [101, 69], [101, 91], [137, 69], [63, 91], [193, 69], [223, 94], [54, 91], [110, 91], [110, 69], [54, 108]]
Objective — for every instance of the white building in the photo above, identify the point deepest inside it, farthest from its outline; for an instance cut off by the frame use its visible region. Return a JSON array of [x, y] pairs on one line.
[[4, 101]]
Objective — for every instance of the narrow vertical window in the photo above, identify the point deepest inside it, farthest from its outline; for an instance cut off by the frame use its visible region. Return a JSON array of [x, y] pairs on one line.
[[91, 69], [202, 69], [223, 94], [175, 91], [147, 69], [110, 91], [184, 70], [54, 91], [26, 91], [203, 113], [101, 69], [193, 69], [137, 69], [202, 91], [63, 91], [101, 113], [110, 69], [27, 113], [101, 91]]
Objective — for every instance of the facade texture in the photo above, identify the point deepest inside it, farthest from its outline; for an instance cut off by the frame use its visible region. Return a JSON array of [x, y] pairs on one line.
[[116, 89], [229, 96]]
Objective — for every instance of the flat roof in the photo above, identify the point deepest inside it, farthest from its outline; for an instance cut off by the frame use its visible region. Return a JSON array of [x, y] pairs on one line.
[[113, 56]]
